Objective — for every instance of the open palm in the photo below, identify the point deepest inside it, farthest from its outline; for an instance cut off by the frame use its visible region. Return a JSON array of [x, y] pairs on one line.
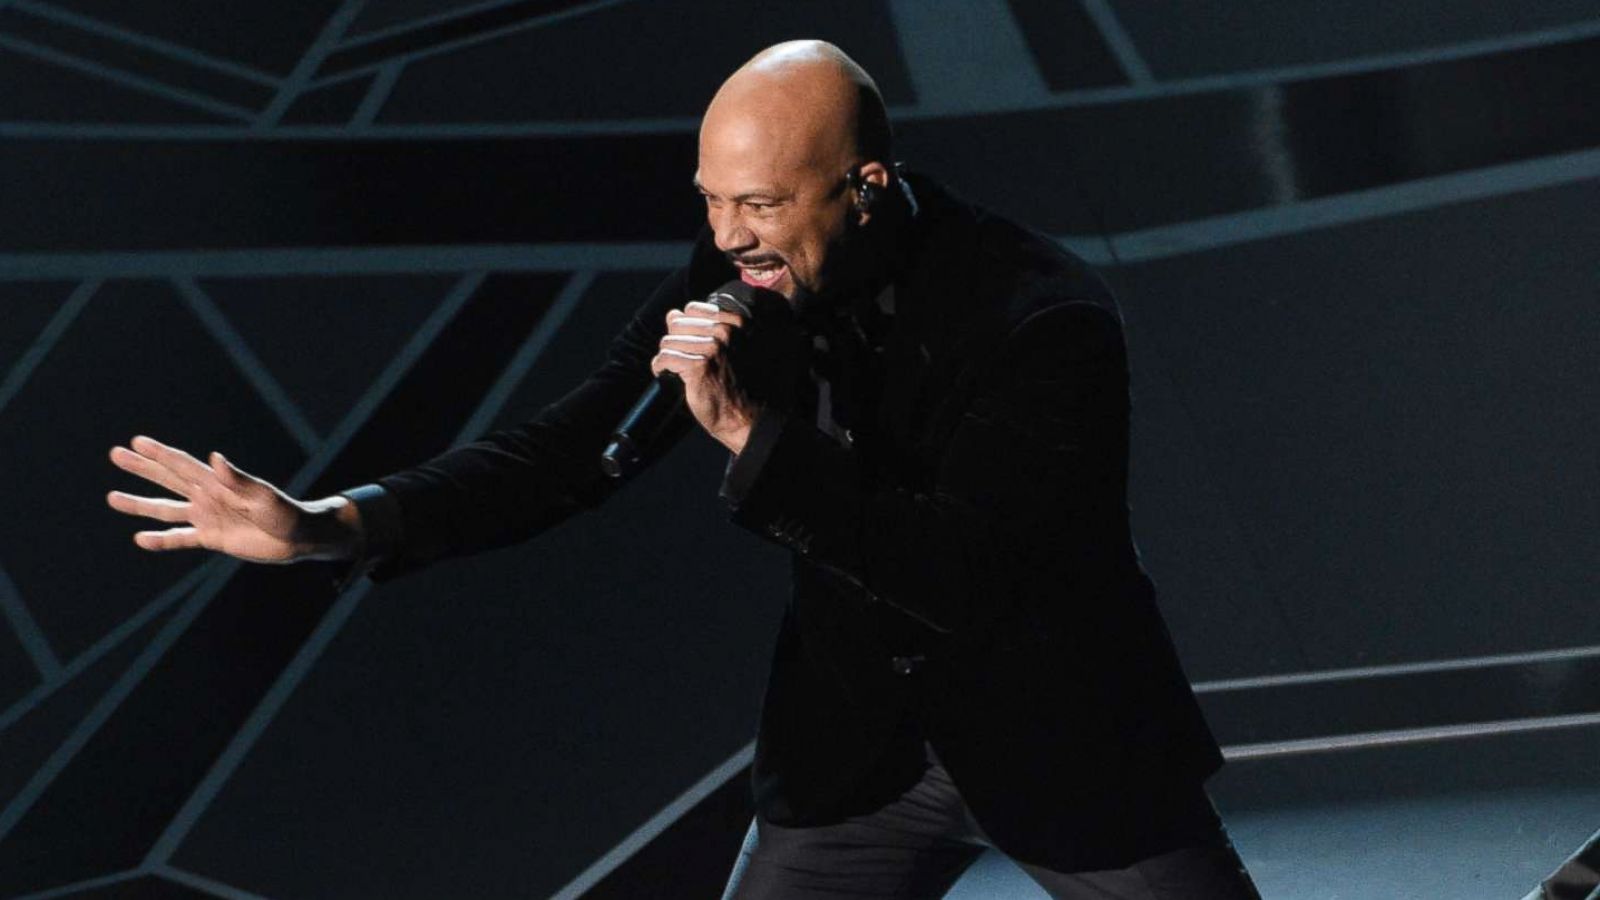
[[218, 507]]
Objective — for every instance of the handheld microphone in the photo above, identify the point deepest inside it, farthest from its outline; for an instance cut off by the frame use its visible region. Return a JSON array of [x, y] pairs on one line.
[[661, 401]]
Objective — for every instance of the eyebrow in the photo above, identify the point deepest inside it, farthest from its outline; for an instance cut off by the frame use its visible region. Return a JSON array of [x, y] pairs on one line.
[[762, 193]]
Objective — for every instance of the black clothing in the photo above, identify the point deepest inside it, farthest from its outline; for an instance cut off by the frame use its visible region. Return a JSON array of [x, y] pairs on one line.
[[919, 844], [963, 571]]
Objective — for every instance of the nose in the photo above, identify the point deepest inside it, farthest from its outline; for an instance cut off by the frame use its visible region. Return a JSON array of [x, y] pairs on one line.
[[732, 235]]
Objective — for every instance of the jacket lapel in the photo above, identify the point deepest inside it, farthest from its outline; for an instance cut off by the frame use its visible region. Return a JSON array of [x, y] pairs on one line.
[[936, 275]]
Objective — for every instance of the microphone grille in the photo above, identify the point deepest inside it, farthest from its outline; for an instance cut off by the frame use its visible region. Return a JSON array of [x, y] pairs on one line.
[[732, 297]]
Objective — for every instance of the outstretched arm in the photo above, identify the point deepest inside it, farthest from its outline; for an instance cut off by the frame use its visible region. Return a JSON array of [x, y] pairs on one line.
[[515, 482], [502, 488]]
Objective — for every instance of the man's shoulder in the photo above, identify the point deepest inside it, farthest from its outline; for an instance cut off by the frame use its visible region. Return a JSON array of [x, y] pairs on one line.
[[993, 274]]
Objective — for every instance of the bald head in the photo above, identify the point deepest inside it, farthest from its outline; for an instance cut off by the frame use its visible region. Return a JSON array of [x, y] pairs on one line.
[[792, 148], [807, 95]]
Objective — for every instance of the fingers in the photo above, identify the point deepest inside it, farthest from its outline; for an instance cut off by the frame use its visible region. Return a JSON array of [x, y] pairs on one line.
[[703, 319], [700, 312], [688, 366], [159, 508], [695, 334], [694, 346], [674, 351], [174, 460], [698, 331], [150, 470], [171, 539]]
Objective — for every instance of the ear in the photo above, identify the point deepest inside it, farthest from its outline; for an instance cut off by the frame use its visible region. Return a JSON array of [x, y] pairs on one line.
[[872, 181]]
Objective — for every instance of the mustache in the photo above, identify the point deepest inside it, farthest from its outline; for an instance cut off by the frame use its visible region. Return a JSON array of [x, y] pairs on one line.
[[758, 260]]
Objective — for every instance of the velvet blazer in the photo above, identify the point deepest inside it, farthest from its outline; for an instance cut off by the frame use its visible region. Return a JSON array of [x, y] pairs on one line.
[[963, 571]]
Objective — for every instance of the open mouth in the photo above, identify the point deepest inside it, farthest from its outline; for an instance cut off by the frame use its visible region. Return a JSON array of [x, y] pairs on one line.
[[763, 275]]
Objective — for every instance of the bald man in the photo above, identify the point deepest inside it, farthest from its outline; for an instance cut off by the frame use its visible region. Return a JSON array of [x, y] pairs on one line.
[[934, 420]]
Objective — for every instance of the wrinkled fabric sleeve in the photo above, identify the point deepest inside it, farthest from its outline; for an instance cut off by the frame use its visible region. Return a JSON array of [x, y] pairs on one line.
[[744, 467], [514, 483], [1033, 477], [380, 531]]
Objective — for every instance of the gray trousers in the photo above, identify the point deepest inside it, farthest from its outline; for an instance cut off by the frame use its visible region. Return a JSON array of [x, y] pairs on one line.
[[918, 845]]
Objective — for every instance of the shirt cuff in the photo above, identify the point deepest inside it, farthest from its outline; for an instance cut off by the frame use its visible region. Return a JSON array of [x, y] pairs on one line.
[[747, 465], [380, 529]]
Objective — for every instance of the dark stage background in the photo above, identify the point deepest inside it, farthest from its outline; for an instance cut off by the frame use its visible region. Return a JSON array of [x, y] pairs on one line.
[[1358, 251]]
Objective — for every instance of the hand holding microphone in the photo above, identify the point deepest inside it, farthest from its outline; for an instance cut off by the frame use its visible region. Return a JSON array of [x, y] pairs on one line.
[[695, 348], [726, 357]]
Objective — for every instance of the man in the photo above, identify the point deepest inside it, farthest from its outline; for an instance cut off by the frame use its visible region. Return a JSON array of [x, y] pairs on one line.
[[971, 655]]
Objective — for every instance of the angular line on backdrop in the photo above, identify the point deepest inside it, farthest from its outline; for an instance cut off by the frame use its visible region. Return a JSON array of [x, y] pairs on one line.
[[300, 77], [1119, 42], [965, 56], [40, 25], [687, 124], [1360, 65], [386, 381], [66, 890], [451, 46], [1164, 241], [108, 642], [244, 740], [1066, 46], [272, 393], [495, 399], [125, 79], [1082, 97], [191, 609], [1406, 736], [657, 823], [107, 704], [1135, 246], [1361, 673], [1094, 96], [1226, 506], [620, 257], [28, 632], [378, 94], [588, 128], [157, 45], [205, 793], [451, 16], [374, 47], [203, 884], [22, 370]]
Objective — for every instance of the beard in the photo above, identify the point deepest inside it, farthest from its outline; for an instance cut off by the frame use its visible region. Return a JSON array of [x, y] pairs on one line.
[[848, 267]]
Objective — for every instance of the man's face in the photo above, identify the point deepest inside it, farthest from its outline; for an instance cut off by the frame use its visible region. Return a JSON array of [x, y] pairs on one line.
[[781, 218]]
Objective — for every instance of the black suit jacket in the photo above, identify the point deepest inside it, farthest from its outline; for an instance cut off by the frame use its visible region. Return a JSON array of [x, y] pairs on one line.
[[962, 574]]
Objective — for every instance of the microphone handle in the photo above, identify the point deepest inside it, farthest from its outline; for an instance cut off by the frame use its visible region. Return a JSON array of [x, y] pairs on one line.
[[642, 425]]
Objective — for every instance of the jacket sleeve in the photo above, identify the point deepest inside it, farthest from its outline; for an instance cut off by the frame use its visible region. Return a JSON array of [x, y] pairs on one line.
[[1031, 482], [515, 482]]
